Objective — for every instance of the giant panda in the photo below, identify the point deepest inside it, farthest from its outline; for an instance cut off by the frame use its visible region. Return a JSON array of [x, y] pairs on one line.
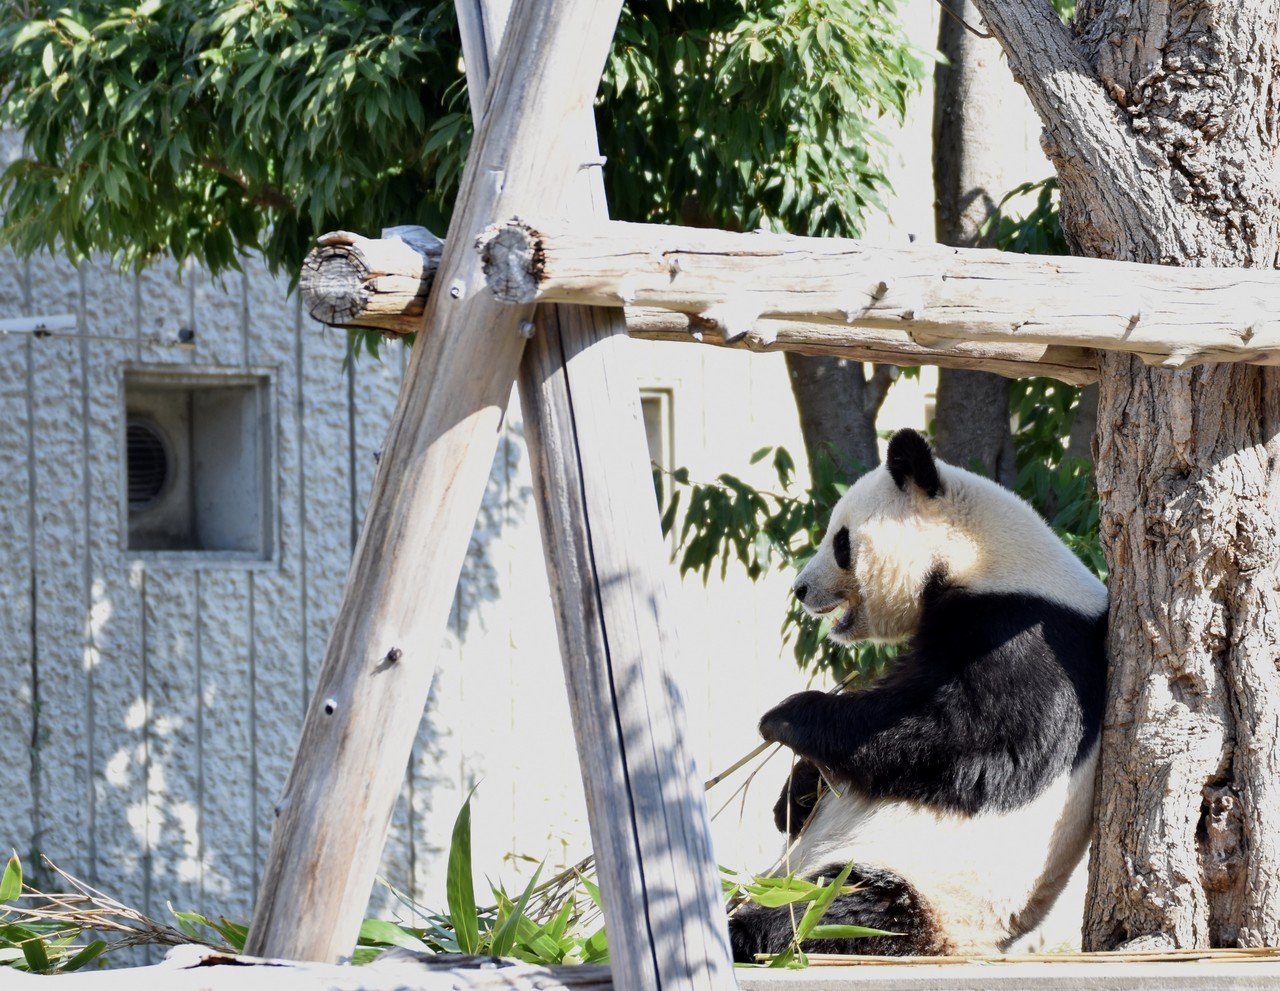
[[960, 783]]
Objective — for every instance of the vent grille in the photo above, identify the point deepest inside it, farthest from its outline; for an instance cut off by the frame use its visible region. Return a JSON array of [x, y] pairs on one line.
[[148, 464]]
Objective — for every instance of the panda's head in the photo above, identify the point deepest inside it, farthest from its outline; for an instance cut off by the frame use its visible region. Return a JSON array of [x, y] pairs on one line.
[[916, 519]]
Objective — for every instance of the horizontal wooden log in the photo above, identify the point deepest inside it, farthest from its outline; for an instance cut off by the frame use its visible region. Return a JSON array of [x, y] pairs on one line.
[[1077, 366], [382, 284], [1172, 317]]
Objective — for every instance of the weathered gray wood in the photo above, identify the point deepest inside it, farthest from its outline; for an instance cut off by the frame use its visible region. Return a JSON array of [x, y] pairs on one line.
[[599, 519], [1173, 317], [881, 345], [349, 280], [359, 729], [353, 281]]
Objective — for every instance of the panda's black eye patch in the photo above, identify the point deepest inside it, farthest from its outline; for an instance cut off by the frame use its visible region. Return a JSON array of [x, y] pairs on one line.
[[840, 545]]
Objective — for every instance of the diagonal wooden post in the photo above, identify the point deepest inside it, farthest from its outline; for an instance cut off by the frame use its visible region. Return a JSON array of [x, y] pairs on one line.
[[600, 531], [370, 692]]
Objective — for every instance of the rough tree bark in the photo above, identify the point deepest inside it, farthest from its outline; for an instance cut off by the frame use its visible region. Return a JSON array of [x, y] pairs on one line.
[[972, 97], [838, 401], [1161, 120]]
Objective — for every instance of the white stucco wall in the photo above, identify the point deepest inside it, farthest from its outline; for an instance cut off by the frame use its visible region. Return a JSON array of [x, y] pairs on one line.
[[153, 705]]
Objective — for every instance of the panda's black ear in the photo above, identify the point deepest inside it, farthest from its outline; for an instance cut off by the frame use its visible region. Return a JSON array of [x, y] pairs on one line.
[[910, 457]]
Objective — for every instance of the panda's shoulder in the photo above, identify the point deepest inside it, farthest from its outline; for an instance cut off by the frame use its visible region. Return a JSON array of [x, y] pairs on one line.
[[1013, 642]]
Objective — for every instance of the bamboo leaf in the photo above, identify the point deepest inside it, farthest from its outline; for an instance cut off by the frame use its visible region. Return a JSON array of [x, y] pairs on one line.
[[504, 939], [459, 889], [11, 880], [387, 933]]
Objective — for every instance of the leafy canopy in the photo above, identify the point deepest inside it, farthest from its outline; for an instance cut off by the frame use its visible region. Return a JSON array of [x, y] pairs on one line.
[[208, 128]]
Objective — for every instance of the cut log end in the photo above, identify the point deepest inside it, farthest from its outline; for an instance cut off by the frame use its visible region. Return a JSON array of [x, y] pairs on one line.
[[332, 284], [513, 261]]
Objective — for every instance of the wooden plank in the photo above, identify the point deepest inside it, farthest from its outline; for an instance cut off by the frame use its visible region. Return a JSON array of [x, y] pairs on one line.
[[1173, 317], [379, 284], [370, 692], [605, 565], [599, 520]]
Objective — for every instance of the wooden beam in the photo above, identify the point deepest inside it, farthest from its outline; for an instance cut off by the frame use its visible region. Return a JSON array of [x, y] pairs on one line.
[[605, 557], [1173, 317], [381, 284], [332, 818]]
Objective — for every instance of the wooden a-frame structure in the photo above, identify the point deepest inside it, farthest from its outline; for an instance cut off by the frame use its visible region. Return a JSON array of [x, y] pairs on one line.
[[534, 156]]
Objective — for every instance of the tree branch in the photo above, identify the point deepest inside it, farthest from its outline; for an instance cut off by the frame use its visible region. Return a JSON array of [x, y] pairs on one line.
[[878, 383], [267, 196], [1087, 135]]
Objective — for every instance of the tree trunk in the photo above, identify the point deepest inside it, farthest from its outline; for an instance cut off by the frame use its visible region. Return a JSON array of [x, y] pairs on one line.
[[1186, 849], [1161, 120], [973, 94], [838, 402], [1084, 425]]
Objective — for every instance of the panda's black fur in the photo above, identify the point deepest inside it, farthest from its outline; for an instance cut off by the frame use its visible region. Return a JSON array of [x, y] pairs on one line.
[[997, 696]]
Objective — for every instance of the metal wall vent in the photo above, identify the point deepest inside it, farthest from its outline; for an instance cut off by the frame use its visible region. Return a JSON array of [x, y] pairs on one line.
[[148, 460]]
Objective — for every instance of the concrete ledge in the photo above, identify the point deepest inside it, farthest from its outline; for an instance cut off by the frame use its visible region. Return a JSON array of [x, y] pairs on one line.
[[1263, 975], [192, 968]]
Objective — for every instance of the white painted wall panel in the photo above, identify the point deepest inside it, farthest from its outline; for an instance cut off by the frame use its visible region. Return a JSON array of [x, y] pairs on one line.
[[18, 809], [64, 831], [114, 613], [172, 655], [227, 745], [275, 654]]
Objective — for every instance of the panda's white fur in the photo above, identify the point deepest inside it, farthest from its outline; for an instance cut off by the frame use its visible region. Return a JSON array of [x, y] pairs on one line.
[[989, 539], [982, 869]]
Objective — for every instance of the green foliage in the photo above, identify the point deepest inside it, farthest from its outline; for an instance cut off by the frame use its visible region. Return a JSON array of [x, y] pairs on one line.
[[207, 129], [556, 922], [1032, 230], [742, 114], [34, 945]]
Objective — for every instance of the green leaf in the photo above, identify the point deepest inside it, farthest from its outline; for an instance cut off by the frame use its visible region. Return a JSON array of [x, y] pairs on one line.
[[86, 955], [820, 904], [459, 889], [821, 931], [505, 937], [386, 933], [33, 950], [11, 880]]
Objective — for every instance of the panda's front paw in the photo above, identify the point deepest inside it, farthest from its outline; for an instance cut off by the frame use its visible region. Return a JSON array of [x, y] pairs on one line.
[[792, 721]]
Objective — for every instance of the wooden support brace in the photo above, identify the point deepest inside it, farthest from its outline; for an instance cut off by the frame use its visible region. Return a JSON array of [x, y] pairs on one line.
[[353, 281], [370, 692], [1173, 317], [605, 563]]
